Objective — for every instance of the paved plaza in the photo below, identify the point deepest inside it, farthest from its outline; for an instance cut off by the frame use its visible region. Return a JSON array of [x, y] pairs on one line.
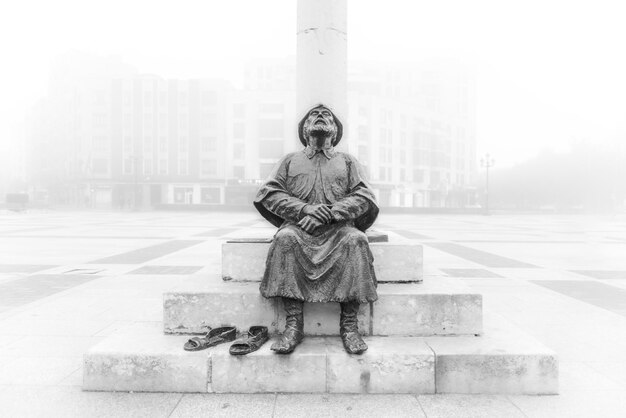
[[70, 279]]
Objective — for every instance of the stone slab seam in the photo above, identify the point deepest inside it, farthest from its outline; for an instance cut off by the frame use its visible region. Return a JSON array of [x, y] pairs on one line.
[[434, 367]]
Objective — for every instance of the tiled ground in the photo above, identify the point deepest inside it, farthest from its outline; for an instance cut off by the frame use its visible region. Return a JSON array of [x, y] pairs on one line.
[[67, 280]]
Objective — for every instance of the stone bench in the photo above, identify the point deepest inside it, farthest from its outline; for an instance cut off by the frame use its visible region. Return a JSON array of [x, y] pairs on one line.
[[244, 261], [435, 307], [503, 361]]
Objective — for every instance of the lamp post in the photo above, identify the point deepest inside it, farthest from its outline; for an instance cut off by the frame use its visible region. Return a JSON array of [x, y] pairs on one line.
[[487, 162]]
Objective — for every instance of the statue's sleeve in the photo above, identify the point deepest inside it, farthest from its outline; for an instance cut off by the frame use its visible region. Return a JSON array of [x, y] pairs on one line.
[[359, 204], [274, 201]]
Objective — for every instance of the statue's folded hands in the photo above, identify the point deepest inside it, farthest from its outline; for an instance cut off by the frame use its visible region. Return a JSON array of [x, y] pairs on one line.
[[320, 212], [309, 224]]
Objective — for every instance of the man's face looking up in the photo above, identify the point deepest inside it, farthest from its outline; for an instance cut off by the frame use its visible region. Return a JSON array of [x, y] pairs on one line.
[[320, 128]]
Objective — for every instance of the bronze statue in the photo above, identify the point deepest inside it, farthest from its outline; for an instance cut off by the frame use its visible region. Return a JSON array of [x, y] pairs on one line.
[[321, 203]]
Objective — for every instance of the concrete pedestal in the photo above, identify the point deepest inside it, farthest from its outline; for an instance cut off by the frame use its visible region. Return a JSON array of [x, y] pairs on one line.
[[502, 361], [436, 307]]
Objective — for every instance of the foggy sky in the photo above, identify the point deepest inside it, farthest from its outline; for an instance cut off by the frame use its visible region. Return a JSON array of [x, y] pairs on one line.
[[548, 71]]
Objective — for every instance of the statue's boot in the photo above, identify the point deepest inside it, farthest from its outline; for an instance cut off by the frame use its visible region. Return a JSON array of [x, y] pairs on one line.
[[294, 328], [349, 328]]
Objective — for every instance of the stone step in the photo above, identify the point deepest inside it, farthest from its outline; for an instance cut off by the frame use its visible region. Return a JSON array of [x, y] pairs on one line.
[[438, 306], [502, 361], [393, 263]]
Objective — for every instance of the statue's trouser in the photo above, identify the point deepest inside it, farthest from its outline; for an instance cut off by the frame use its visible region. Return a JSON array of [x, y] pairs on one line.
[[294, 327], [349, 328]]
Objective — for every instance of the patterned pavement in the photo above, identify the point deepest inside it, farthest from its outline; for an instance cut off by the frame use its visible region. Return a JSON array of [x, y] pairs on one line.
[[67, 280]]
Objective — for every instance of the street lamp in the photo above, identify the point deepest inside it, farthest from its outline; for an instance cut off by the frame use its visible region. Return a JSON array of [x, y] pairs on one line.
[[487, 162]]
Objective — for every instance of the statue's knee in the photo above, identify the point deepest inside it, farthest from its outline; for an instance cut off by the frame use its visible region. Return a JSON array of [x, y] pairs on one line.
[[357, 237], [285, 236]]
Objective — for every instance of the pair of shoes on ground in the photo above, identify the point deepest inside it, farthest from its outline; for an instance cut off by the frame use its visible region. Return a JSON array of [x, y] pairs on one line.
[[252, 341]]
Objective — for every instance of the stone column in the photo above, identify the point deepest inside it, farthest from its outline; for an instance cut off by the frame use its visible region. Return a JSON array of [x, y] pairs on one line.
[[321, 69]]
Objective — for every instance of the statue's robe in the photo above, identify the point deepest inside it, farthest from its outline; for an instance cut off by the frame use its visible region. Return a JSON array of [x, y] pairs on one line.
[[334, 264]]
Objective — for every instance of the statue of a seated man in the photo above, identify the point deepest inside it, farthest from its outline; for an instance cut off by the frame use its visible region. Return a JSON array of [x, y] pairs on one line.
[[320, 201]]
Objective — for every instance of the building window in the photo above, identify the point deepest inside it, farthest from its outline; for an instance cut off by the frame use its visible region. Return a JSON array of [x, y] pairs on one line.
[[208, 144], [382, 174], [99, 120]]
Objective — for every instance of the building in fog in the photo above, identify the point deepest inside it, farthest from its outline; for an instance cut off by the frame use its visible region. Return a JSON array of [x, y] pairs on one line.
[[106, 136]]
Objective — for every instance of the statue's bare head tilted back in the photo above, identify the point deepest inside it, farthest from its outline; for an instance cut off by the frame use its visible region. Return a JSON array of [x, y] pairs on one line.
[[320, 128]]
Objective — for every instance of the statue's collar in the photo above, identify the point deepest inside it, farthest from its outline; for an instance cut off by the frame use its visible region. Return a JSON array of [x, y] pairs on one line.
[[328, 152]]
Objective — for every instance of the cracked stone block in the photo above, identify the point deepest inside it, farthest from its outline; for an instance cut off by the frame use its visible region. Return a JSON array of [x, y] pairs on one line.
[[433, 308], [148, 363], [504, 361], [390, 365], [234, 305], [264, 371]]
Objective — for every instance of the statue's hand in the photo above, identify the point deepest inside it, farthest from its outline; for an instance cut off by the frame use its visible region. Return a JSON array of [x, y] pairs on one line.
[[309, 224], [320, 212]]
